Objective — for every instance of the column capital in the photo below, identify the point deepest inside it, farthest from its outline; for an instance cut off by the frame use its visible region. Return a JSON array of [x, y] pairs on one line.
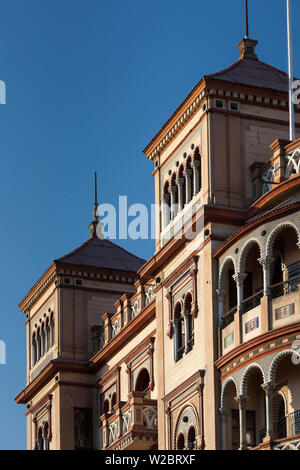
[[166, 197], [241, 400], [266, 260], [188, 172], [224, 411], [221, 293], [268, 387], [180, 181], [239, 278]]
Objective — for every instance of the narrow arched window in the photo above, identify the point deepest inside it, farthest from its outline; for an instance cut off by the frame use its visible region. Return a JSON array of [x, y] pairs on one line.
[[180, 442], [43, 340], [113, 401], [166, 205], [51, 330], [46, 437], [39, 443], [106, 406], [179, 333], [47, 335], [34, 349], [38, 337], [142, 381], [197, 172], [189, 321], [192, 438]]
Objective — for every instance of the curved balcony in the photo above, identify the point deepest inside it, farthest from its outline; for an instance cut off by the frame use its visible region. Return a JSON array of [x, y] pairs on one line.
[[132, 426]]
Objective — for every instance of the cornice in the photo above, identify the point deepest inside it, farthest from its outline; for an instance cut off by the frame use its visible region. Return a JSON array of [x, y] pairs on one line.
[[199, 375], [258, 341], [209, 87]]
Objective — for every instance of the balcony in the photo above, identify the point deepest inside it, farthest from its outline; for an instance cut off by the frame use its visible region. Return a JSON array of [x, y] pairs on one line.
[[259, 314], [288, 443], [133, 426]]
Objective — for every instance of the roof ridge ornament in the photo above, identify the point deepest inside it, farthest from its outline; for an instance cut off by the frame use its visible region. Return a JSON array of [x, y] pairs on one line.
[[95, 226], [247, 45]]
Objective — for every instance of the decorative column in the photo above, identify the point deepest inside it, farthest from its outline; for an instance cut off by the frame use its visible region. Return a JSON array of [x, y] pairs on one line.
[[169, 427], [34, 420], [201, 439], [150, 353], [180, 182], [49, 409], [173, 202], [266, 262], [242, 401], [194, 273], [239, 279], [196, 166], [176, 337], [187, 319], [128, 371], [188, 179], [170, 330], [268, 389], [224, 426], [166, 209], [221, 294]]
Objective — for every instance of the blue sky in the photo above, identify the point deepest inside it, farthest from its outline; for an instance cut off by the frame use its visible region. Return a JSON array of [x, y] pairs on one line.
[[88, 85]]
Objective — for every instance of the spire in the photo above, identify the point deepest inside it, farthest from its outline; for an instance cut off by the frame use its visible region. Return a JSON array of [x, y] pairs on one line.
[[247, 22], [93, 225], [247, 45]]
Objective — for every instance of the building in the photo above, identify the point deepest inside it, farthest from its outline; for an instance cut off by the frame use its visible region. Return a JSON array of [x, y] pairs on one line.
[[195, 348]]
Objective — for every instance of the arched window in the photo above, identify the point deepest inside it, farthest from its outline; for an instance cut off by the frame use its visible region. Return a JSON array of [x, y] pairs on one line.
[[51, 330], [166, 205], [39, 444], [38, 337], [174, 197], [189, 321], [47, 335], [180, 442], [34, 349], [189, 180], [113, 401], [197, 172], [142, 381], [181, 188], [43, 340], [46, 437], [192, 438], [106, 406], [179, 336]]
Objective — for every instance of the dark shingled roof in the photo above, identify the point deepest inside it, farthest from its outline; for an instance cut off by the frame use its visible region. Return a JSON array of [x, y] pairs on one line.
[[101, 253], [255, 73]]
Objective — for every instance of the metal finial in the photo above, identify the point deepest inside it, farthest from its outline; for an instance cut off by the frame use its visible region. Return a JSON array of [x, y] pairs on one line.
[[247, 19], [96, 218]]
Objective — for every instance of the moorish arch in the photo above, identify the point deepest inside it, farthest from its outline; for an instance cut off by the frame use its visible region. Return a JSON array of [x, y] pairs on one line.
[[246, 375], [187, 419], [223, 271], [276, 231], [275, 363], [230, 381], [244, 253]]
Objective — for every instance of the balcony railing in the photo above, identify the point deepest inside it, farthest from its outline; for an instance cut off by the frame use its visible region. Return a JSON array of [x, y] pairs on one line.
[[130, 423], [228, 317], [252, 301], [285, 288]]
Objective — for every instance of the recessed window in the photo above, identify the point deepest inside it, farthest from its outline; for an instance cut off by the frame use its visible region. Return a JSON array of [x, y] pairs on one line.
[[67, 280], [234, 106], [78, 282], [219, 104]]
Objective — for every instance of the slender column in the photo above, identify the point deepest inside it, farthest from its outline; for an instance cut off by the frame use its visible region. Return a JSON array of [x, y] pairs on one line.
[[166, 209], [174, 206], [239, 279], [168, 413], [194, 273], [180, 194], [268, 389], [242, 400], [187, 318], [266, 264], [170, 330], [224, 427], [201, 440], [188, 179], [196, 166], [221, 294], [176, 337]]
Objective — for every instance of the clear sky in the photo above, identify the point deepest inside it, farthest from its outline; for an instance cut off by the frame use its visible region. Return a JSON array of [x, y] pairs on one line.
[[89, 83]]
